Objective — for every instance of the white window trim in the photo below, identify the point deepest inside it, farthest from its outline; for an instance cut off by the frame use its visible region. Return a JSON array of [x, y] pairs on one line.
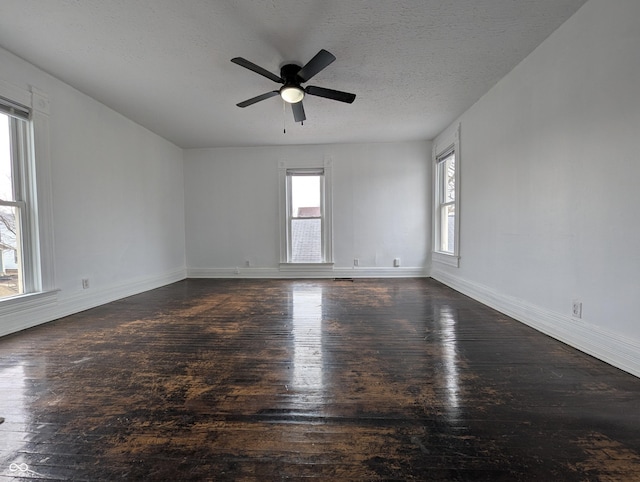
[[442, 146], [41, 226], [327, 231]]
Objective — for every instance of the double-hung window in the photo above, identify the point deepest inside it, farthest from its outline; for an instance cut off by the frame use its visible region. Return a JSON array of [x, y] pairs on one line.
[[18, 247], [306, 209], [446, 213], [305, 220], [446, 178]]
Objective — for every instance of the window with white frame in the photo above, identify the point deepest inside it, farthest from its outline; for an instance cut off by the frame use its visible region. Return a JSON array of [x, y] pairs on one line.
[[18, 247], [306, 215], [446, 216], [446, 213]]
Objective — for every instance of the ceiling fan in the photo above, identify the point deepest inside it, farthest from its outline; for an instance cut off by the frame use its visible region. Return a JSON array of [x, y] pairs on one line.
[[292, 76]]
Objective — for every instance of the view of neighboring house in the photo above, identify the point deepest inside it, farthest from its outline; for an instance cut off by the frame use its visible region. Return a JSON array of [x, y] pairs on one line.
[[8, 257], [8, 260], [306, 235]]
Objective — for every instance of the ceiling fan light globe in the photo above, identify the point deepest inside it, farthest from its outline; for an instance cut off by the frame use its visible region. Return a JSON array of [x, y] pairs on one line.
[[291, 94]]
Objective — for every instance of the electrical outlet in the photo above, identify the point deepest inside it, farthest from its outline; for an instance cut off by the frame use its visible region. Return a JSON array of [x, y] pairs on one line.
[[576, 309], [247, 263], [396, 262], [356, 262], [85, 283]]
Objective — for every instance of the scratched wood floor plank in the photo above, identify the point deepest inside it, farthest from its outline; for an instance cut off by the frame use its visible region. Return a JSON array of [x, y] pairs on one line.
[[397, 379]]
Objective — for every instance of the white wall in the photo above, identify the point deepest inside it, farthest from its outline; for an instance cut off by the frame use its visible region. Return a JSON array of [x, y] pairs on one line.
[[117, 202], [549, 186], [381, 208]]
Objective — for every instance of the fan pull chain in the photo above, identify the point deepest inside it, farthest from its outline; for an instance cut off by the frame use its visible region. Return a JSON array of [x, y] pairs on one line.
[[284, 117]]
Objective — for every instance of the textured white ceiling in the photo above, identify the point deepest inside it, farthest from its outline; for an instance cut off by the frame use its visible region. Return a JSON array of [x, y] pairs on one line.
[[415, 65]]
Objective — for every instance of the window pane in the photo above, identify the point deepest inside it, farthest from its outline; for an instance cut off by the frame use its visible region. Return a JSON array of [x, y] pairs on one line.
[[10, 260], [450, 179], [6, 183], [305, 196], [306, 240], [448, 228]]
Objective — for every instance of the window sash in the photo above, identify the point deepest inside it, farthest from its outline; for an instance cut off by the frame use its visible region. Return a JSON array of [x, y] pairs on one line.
[[18, 238], [290, 173], [442, 167], [306, 171], [447, 238], [15, 204], [444, 240], [13, 109]]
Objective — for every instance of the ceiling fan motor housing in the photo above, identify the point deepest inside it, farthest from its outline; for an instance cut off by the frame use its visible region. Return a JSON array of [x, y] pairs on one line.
[[289, 73], [291, 91]]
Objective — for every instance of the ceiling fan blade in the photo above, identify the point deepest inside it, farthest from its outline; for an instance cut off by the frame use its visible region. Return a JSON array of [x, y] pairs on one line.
[[257, 69], [258, 98], [330, 94], [298, 112], [315, 65]]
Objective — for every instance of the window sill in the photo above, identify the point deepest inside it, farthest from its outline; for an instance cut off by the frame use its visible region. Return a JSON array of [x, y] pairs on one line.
[[27, 301], [305, 266], [446, 258]]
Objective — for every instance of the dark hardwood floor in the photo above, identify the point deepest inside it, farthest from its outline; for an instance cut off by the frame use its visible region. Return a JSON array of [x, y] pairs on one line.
[[397, 379]]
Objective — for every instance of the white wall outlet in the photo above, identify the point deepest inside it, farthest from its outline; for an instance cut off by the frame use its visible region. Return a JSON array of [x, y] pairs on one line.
[[356, 262], [576, 309], [247, 264], [85, 283], [396, 262]]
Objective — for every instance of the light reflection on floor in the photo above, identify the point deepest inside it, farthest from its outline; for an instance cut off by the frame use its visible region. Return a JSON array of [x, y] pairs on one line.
[[447, 322], [13, 400], [307, 341]]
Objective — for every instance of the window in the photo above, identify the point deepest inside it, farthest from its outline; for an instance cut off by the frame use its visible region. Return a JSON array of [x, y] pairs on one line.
[[446, 175], [446, 215], [18, 258], [306, 215]]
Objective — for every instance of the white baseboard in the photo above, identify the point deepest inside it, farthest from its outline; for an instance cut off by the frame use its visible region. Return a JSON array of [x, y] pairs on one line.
[[307, 272], [610, 347], [32, 310]]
